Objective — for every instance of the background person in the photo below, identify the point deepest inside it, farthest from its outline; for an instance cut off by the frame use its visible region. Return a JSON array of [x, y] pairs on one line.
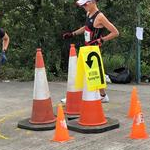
[[5, 42]]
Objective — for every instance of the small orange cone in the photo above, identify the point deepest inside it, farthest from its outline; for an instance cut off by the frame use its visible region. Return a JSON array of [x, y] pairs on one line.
[[138, 127], [134, 98], [73, 96], [61, 131], [91, 109], [42, 111]]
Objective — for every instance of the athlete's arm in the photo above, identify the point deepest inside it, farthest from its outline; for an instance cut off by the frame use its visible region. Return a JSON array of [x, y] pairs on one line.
[[109, 26], [79, 31]]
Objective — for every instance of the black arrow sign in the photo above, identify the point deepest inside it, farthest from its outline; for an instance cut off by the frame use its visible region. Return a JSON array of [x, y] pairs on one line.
[[90, 62]]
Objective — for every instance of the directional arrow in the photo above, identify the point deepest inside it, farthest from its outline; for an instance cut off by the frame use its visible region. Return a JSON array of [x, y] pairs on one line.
[[90, 62]]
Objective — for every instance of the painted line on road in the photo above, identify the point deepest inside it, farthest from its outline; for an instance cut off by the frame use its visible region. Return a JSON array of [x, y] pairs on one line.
[[11, 115], [3, 137], [8, 116], [3, 119], [15, 114]]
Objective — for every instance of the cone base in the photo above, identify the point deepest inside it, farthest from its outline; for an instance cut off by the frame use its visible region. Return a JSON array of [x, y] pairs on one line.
[[73, 103], [94, 124], [25, 124], [42, 112], [62, 141], [110, 125], [92, 113], [40, 123], [138, 132], [70, 117], [139, 137]]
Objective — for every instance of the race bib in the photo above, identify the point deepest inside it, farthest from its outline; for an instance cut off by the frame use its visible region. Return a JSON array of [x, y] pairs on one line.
[[87, 36]]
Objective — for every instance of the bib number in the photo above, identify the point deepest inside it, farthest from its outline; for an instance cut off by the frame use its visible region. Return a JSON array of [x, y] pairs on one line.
[[87, 36]]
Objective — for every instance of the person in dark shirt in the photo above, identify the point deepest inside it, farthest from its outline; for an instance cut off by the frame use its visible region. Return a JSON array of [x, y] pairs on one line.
[[5, 42], [93, 29]]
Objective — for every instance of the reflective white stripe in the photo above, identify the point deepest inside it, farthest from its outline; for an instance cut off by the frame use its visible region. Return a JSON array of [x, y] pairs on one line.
[[71, 74], [41, 88], [90, 95]]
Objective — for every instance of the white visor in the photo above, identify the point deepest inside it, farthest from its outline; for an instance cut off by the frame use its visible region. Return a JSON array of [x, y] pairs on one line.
[[82, 2]]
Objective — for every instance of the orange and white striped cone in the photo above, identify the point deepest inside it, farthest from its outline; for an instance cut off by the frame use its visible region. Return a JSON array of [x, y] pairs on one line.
[[91, 109], [42, 111], [92, 118], [42, 117], [73, 96]]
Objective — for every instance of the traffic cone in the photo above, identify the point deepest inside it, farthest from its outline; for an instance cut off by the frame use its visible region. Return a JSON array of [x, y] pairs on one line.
[[138, 128], [91, 109], [42, 111], [61, 131], [73, 96], [134, 99]]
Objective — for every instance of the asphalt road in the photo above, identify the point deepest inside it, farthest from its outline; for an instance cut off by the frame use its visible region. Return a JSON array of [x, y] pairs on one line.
[[16, 104]]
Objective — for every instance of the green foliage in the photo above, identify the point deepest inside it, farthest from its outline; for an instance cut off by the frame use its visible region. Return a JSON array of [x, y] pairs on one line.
[[40, 23], [145, 69], [22, 74], [113, 62]]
